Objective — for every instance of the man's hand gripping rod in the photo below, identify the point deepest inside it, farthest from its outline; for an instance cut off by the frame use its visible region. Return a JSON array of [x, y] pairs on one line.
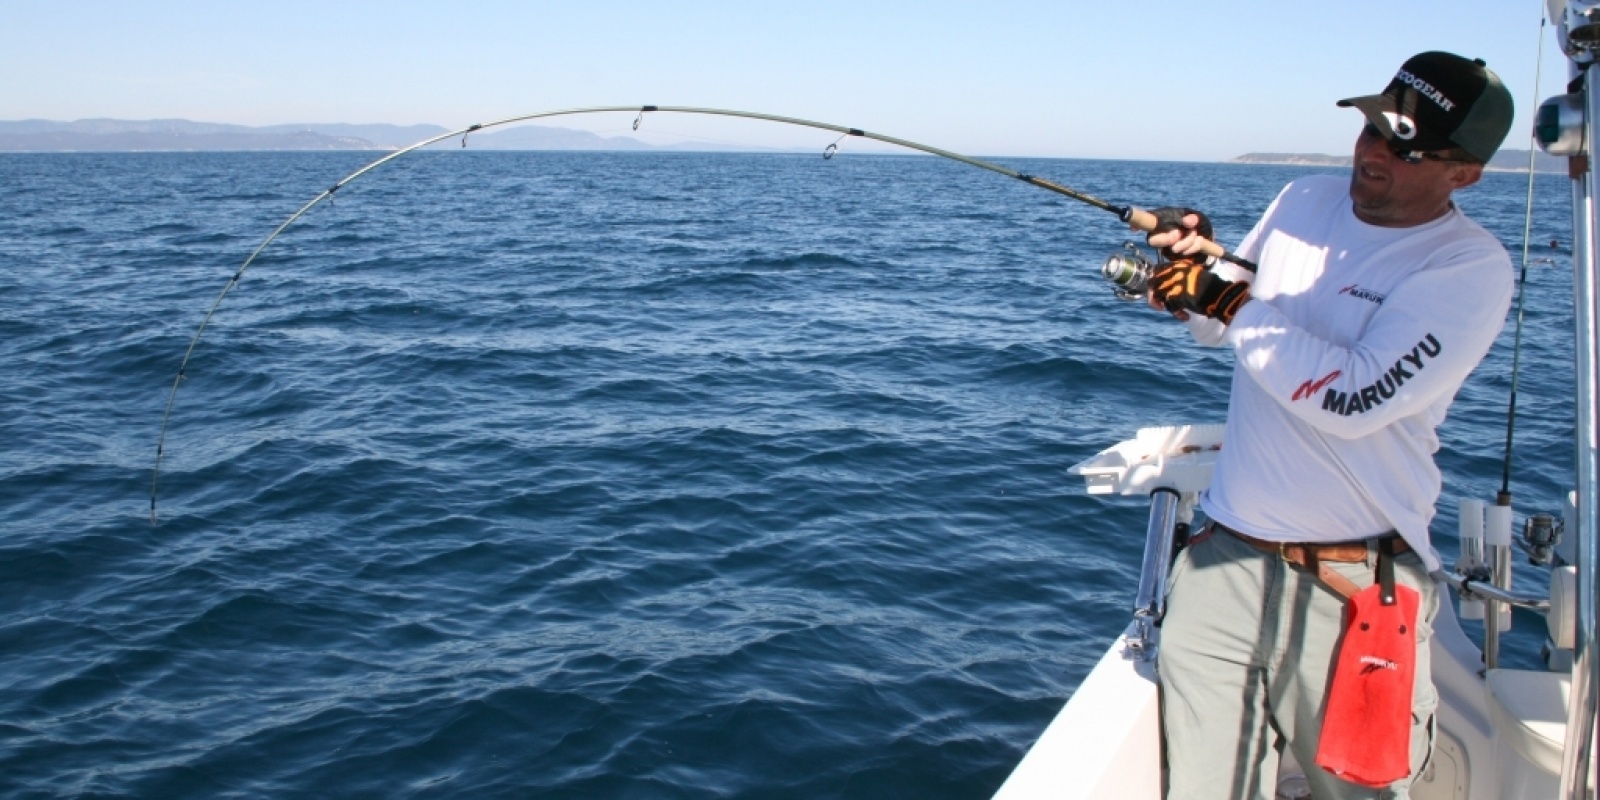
[[1143, 220]]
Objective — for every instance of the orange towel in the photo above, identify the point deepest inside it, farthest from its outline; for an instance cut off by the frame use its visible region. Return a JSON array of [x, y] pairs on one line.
[[1366, 733]]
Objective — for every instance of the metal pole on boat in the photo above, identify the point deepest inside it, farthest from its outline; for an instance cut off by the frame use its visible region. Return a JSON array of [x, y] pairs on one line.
[[1150, 604], [1577, 759], [1497, 540]]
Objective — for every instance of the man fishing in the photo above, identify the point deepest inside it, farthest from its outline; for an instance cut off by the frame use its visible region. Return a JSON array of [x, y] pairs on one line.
[[1374, 299]]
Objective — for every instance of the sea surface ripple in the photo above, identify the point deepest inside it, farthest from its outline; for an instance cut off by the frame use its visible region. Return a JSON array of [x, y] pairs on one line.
[[599, 475]]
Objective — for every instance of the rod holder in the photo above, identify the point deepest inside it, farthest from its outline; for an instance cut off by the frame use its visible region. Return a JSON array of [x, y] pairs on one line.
[[1497, 548], [1470, 563], [1150, 605]]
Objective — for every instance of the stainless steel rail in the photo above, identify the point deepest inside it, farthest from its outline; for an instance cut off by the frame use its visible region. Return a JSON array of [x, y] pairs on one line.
[[1486, 590], [1577, 759], [1500, 580], [1151, 602]]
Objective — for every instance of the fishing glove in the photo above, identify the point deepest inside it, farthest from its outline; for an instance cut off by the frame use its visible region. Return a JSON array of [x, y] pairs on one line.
[[1170, 218], [1184, 285]]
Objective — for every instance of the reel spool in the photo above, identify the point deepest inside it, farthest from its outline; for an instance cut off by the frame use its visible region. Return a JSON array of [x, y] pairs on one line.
[[1128, 271]]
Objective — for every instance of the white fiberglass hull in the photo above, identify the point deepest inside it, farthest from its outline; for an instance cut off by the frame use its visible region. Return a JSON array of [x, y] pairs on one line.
[[1106, 742]]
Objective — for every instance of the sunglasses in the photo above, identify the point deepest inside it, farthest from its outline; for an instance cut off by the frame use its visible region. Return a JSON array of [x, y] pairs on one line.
[[1409, 156]]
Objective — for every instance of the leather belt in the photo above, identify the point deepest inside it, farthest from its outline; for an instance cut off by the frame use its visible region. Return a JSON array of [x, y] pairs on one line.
[[1312, 556]]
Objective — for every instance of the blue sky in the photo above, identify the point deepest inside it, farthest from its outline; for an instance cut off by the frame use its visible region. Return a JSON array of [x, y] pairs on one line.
[[1073, 78]]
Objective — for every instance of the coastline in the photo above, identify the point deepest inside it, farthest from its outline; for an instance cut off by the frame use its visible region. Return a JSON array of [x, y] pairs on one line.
[[1504, 161]]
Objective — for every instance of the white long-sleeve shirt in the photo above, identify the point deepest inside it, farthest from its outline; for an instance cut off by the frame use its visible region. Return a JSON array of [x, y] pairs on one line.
[[1349, 354]]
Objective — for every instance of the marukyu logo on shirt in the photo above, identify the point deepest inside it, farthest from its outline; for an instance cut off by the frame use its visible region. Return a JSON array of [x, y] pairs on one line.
[[1358, 402], [1310, 388], [1355, 290]]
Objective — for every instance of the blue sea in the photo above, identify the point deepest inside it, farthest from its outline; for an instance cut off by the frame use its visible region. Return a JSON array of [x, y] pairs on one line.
[[603, 475]]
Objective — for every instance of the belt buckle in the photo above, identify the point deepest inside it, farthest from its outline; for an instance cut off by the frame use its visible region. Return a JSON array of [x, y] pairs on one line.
[[1283, 555]]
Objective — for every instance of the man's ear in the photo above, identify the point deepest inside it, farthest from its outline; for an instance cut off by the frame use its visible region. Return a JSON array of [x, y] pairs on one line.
[[1465, 175]]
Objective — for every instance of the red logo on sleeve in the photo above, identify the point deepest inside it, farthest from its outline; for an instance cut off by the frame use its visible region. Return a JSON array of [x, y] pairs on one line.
[[1310, 388]]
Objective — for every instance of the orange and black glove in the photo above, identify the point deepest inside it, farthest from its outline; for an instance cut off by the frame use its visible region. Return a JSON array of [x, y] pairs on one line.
[[1186, 286], [1170, 218]]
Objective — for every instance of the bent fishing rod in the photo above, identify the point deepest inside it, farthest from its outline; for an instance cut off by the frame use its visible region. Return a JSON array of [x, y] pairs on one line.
[[1136, 218]]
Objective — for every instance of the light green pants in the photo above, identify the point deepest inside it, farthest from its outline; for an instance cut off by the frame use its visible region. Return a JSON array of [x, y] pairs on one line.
[[1247, 654]]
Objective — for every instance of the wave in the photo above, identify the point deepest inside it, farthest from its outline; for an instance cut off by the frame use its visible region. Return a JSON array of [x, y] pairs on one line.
[[540, 490]]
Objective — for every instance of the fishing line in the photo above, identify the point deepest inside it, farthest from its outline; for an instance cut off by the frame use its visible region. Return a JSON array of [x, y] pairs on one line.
[[1504, 497], [1134, 216]]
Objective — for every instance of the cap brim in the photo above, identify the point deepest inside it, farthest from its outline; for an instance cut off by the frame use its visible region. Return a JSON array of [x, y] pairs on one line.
[[1378, 109], [1373, 107]]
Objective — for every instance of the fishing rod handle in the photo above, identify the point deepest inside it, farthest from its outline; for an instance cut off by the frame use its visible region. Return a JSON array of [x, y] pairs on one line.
[[1143, 220]]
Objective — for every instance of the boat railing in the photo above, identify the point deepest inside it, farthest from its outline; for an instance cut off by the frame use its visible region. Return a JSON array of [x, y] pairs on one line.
[[1481, 589], [1577, 25], [1170, 465]]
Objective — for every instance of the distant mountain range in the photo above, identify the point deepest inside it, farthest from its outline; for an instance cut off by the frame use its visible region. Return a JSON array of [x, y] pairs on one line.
[[181, 135], [1504, 161], [116, 135]]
